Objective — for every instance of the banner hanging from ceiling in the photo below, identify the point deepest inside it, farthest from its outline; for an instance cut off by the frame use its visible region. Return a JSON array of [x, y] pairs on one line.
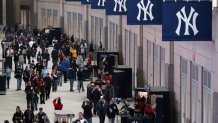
[[144, 12], [116, 7], [187, 21]]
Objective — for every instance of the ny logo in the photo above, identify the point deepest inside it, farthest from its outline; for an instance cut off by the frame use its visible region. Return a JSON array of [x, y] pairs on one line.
[[122, 4], [101, 2], [147, 10], [88, 0], [181, 15]]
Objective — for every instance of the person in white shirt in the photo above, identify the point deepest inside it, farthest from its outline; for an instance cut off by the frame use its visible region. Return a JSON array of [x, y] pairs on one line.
[[31, 43]]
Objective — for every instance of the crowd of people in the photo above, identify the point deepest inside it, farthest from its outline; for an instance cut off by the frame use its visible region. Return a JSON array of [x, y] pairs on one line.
[[31, 56]]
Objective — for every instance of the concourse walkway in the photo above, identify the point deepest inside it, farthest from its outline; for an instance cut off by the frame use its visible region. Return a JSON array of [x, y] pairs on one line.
[[71, 100]]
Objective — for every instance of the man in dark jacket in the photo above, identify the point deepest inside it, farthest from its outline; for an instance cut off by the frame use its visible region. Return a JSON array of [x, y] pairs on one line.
[[54, 56], [87, 110], [96, 94], [18, 76], [28, 115], [18, 116], [47, 81], [41, 117], [29, 94], [45, 57], [112, 111], [71, 75], [80, 80], [101, 109]]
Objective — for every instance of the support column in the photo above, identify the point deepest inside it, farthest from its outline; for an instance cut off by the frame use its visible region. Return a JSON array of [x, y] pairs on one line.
[[62, 15], [4, 12]]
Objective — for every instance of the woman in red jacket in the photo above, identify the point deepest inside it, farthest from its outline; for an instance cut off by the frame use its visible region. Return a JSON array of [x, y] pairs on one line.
[[57, 104]]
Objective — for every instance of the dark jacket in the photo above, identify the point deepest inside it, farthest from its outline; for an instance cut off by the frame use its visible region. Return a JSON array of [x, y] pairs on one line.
[[101, 108], [28, 116], [29, 92], [112, 111], [87, 110], [96, 94], [71, 74], [80, 75], [46, 56], [19, 73], [18, 116], [47, 81]]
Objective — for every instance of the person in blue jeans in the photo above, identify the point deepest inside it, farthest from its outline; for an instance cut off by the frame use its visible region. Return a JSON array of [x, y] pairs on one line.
[[71, 75], [80, 80]]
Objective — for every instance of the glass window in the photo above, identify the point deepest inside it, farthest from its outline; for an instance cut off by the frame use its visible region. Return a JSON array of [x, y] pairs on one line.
[[55, 13], [206, 96], [49, 12], [43, 12]]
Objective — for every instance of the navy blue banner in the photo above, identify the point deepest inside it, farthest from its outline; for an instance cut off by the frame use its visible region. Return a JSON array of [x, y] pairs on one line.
[[187, 21], [86, 1], [116, 7], [144, 12], [98, 4]]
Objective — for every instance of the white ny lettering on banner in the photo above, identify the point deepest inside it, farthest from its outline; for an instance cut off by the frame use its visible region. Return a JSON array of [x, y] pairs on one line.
[[181, 15], [147, 10], [122, 4], [101, 2]]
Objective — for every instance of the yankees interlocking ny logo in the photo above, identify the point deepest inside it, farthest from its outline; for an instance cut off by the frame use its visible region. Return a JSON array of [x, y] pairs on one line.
[[147, 10], [181, 15], [101, 2], [121, 3]]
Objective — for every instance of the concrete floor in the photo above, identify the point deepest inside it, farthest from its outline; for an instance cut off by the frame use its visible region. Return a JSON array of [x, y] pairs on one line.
[[71, 100]]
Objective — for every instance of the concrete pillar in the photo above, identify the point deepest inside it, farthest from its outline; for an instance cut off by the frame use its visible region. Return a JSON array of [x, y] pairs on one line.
[[61, 15], [4, 12], [139, 73], [215, 36]]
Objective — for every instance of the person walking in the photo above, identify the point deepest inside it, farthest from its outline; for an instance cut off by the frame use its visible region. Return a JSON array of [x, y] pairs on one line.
[[87, 110], [18, 116], [65, 65], [80, 80], [71, 75], [42, 92], [29, 93], [101, 109], [8, 75], [112, 111], [18, 76], [47, 82], [28, 115], [41, 117], [96, 94]]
